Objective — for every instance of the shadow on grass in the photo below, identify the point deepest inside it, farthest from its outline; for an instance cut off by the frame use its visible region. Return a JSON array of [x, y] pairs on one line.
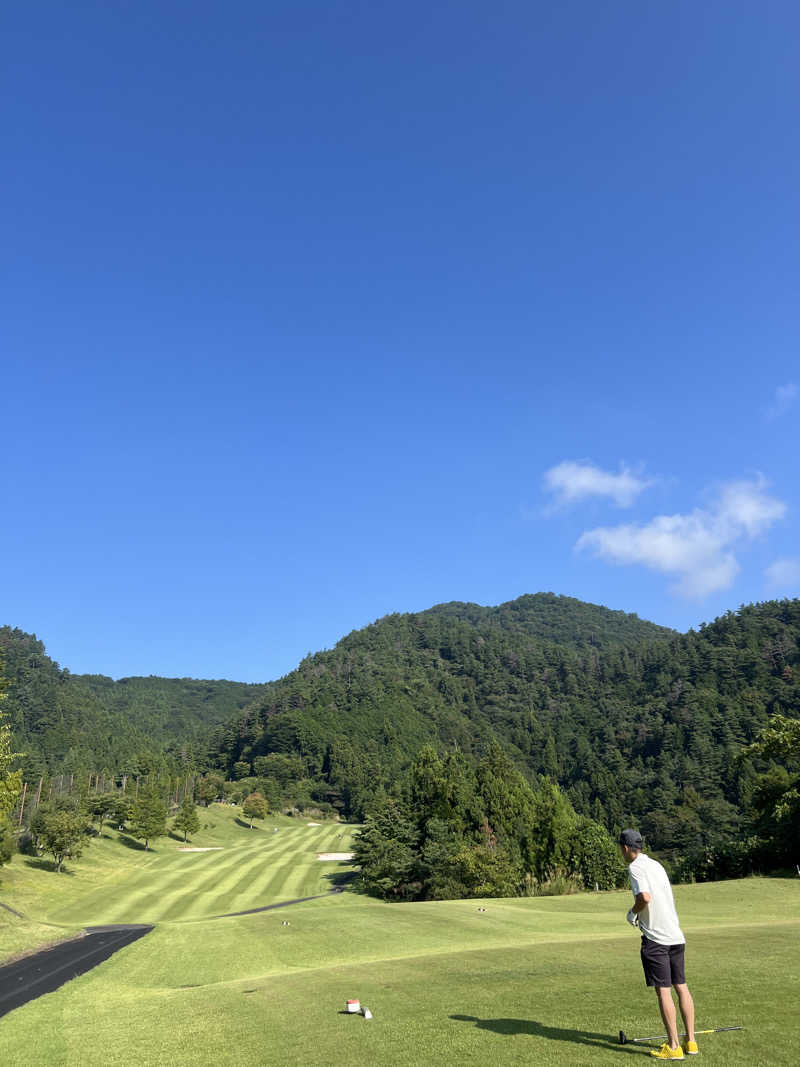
[[245, 824], [39, 863], [511, 1027], [340, 879], [130, 842]]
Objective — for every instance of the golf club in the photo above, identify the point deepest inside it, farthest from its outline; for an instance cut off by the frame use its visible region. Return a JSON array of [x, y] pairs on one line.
[[625, 1040]]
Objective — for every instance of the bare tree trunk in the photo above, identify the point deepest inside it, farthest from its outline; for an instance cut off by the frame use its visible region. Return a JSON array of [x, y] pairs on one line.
[[22, 802]]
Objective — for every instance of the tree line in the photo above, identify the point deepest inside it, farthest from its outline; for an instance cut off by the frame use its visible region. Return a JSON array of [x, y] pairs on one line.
[[636, 725], [71, 724], [649, 733], [458, 829]]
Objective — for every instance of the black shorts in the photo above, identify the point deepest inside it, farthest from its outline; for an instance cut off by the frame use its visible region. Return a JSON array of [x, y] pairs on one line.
[[663, 964]]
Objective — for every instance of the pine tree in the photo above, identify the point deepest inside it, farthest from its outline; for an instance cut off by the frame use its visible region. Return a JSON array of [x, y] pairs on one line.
[[149, 817], [187, 819], [385, 850]]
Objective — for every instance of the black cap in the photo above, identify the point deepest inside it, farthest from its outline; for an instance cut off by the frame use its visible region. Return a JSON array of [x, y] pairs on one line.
[[631, 838]]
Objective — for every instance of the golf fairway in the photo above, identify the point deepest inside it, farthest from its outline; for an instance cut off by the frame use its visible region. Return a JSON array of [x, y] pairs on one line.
[[542, 980]]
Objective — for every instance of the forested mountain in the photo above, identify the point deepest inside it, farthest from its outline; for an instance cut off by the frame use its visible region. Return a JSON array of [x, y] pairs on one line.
[[449, 675], [636, 723], [562, 620], [643, 729], [67, 723]]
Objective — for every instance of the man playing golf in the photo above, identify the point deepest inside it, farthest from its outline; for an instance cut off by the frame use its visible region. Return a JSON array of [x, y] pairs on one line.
[[663, 943]]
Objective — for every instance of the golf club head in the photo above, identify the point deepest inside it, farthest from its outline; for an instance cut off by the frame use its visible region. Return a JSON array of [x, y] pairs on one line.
[[622, 1038]]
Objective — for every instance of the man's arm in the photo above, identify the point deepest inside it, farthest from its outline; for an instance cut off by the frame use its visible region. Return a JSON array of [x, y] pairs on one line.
[[640, 903]]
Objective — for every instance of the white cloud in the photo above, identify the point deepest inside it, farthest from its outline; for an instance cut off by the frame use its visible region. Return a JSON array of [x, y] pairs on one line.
[[571, 481], [696, 548], [746, 506], [785, 396], [784, 574]]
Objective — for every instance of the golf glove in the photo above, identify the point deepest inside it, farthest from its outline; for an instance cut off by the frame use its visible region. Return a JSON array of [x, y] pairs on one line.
[[632, 918]]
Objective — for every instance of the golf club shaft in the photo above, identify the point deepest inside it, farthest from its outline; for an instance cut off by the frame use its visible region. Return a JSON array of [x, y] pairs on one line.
[[663, 1037]]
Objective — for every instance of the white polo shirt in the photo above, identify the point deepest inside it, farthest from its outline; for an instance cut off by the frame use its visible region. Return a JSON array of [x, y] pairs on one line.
[[659, 920]]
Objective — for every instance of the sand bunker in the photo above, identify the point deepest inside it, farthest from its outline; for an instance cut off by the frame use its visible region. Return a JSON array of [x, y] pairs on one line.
[[335, 855], [212, 848], [313, 824]]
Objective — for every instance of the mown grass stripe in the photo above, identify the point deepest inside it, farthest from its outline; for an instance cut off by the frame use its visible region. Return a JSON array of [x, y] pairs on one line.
[[115, 882]]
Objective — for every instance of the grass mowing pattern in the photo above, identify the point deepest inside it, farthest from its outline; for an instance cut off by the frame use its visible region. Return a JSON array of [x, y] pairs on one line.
[[117, 881], [545, 981]]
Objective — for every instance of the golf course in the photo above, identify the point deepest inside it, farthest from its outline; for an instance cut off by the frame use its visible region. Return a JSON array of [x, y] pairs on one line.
[[546, 980]]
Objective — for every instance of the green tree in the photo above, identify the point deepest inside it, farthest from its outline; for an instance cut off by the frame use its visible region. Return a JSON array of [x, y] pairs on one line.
[[10, 785], [775, 797], [487, 870], [10, 780], [63, 834], [779, 739], [209, 788], [120, 810], [270, 790], [241, 769], [7, 840], [554, 820], [438, 865], [385, 851], [149, 817], [100, 807], [255, 807], [187, 819], [595, 857]]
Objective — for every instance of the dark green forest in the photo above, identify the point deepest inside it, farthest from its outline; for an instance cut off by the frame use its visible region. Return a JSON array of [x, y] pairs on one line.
[[637, 725], [78, 723]]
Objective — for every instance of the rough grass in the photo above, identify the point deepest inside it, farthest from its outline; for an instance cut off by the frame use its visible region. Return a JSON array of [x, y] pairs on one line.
[[20, 937], [542, 980]]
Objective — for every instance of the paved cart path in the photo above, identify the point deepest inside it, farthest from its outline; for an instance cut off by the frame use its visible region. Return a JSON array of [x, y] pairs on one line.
[[46, 971]]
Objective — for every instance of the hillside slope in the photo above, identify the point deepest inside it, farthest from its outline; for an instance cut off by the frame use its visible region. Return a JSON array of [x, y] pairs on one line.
[[69, 722], [438, 675], [646, 731]]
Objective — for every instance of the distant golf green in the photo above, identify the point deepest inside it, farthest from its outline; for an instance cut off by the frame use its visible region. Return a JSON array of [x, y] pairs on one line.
[[543, 980]]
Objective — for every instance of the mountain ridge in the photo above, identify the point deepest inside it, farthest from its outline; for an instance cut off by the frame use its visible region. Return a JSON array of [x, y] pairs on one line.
[[65, 720]]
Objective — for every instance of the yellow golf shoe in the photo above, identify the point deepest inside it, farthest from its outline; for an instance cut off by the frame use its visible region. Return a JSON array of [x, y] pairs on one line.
[[667, 1053]]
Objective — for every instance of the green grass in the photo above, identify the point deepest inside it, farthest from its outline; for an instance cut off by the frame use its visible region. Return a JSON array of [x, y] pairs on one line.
[[542, 980], [117, 881]]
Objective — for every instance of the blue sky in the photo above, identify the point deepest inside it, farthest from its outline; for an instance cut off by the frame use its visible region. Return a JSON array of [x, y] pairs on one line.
[[316, 312]]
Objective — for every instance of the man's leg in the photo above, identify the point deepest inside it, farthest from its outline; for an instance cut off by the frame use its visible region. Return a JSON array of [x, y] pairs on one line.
[[667, 1008], [686, 1004]]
